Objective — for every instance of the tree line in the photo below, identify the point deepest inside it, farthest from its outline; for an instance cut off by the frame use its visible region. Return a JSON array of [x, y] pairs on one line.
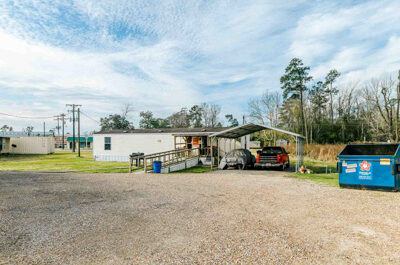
[[325, 112], [197, 116]]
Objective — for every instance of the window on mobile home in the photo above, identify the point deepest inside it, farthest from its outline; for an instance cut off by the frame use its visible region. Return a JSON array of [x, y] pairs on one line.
[[107, 143]]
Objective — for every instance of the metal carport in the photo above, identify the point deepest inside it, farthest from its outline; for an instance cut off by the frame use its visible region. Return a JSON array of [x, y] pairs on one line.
[[249, 128]]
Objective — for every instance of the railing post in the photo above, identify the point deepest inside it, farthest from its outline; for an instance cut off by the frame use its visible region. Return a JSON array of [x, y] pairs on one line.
[[169, 158], [130, 164], [145, 164]]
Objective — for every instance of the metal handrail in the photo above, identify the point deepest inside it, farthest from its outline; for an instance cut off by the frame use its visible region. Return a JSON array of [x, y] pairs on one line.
[[167, 158]]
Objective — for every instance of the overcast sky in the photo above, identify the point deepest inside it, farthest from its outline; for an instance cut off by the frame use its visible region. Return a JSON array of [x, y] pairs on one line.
[[164, 55]]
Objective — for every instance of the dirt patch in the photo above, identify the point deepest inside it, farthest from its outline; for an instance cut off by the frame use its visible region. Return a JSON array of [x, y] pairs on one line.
[[221, 217]]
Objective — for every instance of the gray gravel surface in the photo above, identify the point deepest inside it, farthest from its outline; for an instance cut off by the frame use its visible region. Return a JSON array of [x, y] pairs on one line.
[[229, 217]]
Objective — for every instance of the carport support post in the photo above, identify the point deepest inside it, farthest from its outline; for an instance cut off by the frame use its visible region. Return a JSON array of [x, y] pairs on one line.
[[225, 147], [297, 155], [217, 152], [211, 144]]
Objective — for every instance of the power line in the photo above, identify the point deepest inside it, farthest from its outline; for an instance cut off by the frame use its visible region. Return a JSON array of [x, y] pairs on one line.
[[89, 117], [25, 117]]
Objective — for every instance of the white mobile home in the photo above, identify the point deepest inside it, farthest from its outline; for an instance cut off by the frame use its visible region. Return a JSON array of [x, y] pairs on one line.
[[117, 145]]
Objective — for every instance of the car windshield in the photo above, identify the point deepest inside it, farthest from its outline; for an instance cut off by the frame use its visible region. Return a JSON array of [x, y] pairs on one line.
[[272, 150]]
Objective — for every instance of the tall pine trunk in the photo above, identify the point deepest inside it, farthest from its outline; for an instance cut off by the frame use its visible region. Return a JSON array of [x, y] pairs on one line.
[[303, 116], [331, 106]]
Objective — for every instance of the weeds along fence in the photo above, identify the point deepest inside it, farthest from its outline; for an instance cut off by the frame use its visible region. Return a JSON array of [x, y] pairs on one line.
[[324, 152]]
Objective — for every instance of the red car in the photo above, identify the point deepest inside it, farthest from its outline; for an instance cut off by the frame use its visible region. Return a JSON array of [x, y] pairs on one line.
[[273, 156]]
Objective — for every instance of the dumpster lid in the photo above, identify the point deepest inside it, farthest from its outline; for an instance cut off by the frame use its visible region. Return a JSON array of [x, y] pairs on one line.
[[369, 150]]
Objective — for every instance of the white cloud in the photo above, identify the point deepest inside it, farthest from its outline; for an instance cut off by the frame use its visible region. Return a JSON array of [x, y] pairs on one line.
[[164, 55], [360, 41]]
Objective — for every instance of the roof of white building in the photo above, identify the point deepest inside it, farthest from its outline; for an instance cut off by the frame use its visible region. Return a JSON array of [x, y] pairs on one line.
[[177, 131]]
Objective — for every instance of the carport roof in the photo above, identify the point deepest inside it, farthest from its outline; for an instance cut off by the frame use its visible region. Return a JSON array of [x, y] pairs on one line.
[[248, 128]]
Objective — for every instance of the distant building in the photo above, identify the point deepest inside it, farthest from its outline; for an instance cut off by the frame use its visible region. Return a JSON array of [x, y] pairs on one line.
[[85, 142], [27, 145], [59, 141]]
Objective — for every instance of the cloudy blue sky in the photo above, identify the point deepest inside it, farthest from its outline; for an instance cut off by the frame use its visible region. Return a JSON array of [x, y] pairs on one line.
[[164, 55]]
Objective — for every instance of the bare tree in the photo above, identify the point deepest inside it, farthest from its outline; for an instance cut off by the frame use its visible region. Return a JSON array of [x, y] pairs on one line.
[[180, 119], [346, 107], [379, 93], [266, 109], [210, 114], [126, 109]]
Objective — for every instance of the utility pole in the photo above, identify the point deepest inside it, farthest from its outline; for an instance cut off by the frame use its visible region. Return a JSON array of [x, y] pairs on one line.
[[73, 123], [62, 116], [57, 118], [44, 129], [79, 132]]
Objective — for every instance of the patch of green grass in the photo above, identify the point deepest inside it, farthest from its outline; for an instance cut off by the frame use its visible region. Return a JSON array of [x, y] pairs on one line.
[[198, 169], [59, 161], [320, 166], [319, 170], [331, 179]]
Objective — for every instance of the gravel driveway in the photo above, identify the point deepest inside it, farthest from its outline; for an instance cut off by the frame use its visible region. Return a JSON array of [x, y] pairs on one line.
[[225, 217]]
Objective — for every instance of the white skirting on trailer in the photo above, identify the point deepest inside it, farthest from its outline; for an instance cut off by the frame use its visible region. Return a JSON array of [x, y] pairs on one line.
[[113, 158]]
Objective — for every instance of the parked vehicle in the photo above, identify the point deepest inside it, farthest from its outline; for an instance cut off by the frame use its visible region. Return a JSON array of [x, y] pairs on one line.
[[238, 158], [273, 156]]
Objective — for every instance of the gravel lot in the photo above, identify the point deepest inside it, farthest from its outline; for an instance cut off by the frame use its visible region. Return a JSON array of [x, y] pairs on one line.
[[225, 217]]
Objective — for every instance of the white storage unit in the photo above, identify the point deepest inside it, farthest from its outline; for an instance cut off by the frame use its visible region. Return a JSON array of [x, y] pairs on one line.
[[32, 145]]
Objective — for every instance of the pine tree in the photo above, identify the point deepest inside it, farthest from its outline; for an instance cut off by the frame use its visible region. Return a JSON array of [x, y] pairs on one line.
[[293, 83]]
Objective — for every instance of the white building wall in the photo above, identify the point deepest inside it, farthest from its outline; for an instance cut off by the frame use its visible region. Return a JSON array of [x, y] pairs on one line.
[[122, 145], [227, 145], [32, 145]]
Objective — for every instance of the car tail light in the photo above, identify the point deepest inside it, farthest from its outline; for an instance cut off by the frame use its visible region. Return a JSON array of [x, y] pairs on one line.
[[279, 158], [258, 158]]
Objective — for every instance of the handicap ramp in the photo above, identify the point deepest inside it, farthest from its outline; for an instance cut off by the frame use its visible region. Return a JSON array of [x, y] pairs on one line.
[[192, 162], [174, 160]]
